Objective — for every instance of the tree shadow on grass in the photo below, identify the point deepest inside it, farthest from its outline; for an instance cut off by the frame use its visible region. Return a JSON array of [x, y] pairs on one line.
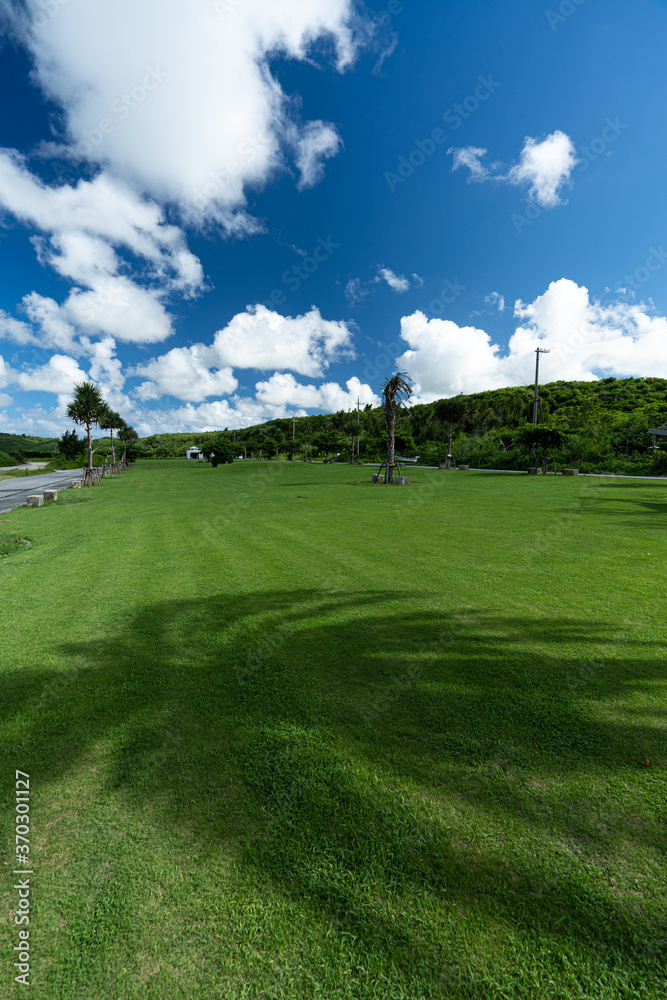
[[282, 721]]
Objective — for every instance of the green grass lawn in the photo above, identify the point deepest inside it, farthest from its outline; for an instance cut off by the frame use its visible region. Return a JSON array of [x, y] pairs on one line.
[[292, 735]]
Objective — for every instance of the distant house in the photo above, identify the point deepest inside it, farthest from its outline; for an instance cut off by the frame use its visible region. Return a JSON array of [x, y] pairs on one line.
[[194, 453]]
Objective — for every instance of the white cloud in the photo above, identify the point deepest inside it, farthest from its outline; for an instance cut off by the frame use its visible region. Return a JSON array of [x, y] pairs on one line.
[[54, 329], [545, 165], [470, 157], [58, 376], [442, 353], [13, 329], [497, 300], [258, 338], [586, 340], [317, 143], [6, 373], [105, 368], [184, 373], [180, 100], [397, 282], [261, 338], [120, 308], [83, 225], [282, 389], [355, 291], [85, 221]]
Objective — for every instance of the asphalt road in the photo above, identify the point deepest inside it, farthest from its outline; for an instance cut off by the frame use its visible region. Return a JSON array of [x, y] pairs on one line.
[[15, 492]]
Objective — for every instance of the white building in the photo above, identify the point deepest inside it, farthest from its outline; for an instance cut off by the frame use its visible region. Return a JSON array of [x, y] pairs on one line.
[[193, 452]]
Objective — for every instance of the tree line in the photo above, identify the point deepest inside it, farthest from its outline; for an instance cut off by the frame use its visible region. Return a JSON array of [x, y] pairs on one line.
[[89, 409], [595, 426]]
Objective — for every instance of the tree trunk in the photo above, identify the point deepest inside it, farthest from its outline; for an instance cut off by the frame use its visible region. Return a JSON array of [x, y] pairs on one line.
[[391, 449], [88, 478], [448, 460], [545, 460]]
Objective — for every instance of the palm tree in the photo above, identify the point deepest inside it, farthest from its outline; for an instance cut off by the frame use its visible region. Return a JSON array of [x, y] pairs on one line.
[[398, 387], [128, 435], [111, 421], [87, 408]]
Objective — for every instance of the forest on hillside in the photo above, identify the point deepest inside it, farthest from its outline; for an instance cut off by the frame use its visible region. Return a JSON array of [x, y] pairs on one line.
[[604, 428], [600, 426]]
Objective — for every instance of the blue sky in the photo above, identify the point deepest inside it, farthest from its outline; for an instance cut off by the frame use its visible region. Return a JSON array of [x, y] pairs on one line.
[[231, 210]]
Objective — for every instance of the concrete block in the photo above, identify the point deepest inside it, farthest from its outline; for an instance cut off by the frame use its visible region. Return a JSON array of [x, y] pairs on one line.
[[534, 472], [570, 472], [463, 468], [77, 485], [50, 494], [401, 480], [378, 479], [36, 500]]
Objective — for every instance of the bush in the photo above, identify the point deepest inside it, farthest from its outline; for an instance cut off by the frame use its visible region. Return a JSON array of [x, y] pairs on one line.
[[6, 460]]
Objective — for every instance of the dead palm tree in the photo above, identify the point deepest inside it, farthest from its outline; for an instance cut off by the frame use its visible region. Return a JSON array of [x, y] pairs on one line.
[[87, 408], [396, 389]]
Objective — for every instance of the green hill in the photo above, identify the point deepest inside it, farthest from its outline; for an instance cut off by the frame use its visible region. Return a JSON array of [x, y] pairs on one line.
[[13, 443], [607, 423]]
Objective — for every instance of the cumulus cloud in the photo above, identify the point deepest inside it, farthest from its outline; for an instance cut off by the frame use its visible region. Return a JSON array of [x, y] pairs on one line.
[[282, 389], [587, 340], [6, 373], [184, 105], [261, 338], [104, 367], [83, 226], [13, 329], [545, 166], [184, 372], [58, 376], [85, 221]]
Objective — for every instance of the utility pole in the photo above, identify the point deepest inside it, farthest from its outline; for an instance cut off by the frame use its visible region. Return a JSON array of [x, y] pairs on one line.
[[293, 427], [305, 446], [357, 427], [538, 351]]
